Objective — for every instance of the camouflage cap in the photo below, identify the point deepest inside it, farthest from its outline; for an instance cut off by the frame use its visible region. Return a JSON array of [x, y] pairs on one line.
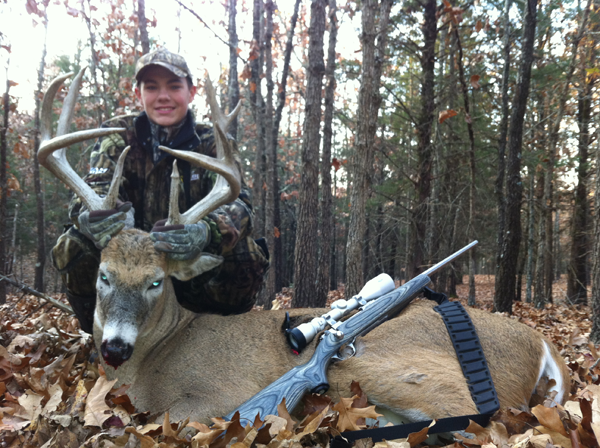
[[163, 57]]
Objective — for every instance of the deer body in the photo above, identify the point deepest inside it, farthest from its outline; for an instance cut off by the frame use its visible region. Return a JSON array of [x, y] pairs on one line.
[[205, 365]]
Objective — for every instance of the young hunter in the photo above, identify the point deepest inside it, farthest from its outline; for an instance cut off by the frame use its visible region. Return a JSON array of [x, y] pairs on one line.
[[165, 89]]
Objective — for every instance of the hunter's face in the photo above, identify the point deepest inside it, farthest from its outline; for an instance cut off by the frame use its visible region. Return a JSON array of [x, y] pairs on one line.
[[164, 96]]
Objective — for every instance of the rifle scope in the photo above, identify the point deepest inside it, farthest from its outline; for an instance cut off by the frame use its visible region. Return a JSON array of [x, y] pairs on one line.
[[300, 337]]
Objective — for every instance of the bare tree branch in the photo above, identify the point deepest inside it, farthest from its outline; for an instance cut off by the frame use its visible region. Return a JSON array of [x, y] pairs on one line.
[[55, 303], [195, 14]]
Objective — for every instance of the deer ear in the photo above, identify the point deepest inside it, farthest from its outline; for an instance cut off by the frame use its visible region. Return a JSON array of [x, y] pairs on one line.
[[186, 270]]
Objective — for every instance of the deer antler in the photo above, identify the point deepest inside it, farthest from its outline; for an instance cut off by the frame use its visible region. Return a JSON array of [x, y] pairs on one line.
[[53, 155], [229, 179]]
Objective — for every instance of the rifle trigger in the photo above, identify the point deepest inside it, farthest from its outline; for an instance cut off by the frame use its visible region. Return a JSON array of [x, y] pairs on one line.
[[346, 352]]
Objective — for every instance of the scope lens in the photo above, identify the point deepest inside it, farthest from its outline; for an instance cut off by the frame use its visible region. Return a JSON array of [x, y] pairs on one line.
[[296, 339]]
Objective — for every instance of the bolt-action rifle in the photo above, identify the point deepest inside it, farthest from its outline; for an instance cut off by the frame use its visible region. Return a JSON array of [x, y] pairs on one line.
[[312, 376]]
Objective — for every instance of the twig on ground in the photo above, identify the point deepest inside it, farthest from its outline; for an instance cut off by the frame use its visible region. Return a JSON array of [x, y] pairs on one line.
[[61, 306]]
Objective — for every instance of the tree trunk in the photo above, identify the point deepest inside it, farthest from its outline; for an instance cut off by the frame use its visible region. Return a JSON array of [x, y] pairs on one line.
[[506, 281], [271, 156], [233, 85], [305, 259], [538, 296], [94, 61], [577, 271], [424, 128], [3, 186], [595, 273], [470, 225], [333, 279], [530, 240], [40, 264], [369, 101], [548, 202], [326, 240], [256, 103], [503, 131], [277, 251], [142, 25]]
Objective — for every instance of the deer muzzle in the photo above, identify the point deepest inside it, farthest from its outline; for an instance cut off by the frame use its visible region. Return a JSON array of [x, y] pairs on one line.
[[116, 351], [118, 342]]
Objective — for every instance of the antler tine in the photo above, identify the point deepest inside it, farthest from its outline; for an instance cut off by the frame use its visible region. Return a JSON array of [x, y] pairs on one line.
[[174, 215], [52, 153], [66, 113], [229, 180], [218, 118]]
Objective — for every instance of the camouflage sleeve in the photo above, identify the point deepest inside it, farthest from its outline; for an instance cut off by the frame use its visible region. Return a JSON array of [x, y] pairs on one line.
[[74, 255], [233, 286], [77, 260], [232, 222], [103, 161]]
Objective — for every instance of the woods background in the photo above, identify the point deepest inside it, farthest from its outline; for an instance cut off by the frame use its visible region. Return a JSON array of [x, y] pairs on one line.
[[453, 121]]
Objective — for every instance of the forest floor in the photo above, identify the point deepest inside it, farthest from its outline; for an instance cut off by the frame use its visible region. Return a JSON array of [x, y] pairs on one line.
[[54, 394]]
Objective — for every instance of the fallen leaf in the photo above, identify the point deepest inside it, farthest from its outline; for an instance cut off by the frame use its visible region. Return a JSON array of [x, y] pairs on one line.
[[549, 418], [556, 437], [56, 393], [31, 405], [349, 415], [145, 441], [277, 424], [418, 437], [313, 425], [283, 413], [96, 409]]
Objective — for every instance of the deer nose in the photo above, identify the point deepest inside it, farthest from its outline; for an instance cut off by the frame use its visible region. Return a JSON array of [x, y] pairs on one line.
[[116, 351]]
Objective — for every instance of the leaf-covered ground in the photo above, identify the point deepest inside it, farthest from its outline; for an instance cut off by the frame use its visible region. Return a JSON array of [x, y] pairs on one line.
[[54, 394]]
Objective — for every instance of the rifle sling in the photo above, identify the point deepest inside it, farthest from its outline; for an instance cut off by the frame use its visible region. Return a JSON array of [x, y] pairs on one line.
[[475, 369]]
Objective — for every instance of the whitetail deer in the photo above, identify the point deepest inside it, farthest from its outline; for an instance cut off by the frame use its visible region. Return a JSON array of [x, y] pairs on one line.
[[206, 365]]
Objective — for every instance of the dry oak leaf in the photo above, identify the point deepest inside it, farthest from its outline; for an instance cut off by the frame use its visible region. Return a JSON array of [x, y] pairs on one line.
[[445, 114], [96, 409], [556, 437], [248, 440], [495, 433], [314, 424], [418, 437], [56, 393], [393, 444], [31, 405], [283, 413], [549, 418], [205, 434], [349, 415], [277, 424], [145, 441]]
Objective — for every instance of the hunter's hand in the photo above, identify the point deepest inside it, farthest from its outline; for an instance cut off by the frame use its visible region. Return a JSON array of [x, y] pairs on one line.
[[180, 242], [101, 225]]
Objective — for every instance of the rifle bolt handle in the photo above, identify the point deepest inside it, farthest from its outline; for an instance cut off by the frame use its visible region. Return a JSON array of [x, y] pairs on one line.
[[337, 334]]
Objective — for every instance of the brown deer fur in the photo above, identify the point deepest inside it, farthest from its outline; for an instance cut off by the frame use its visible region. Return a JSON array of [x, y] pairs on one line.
[[205, 365]]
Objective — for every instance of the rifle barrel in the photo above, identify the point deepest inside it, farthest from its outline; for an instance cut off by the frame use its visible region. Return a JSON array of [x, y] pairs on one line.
[[447, 260]]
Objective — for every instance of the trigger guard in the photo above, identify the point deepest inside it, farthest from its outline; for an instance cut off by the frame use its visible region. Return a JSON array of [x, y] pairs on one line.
[[341, 356]]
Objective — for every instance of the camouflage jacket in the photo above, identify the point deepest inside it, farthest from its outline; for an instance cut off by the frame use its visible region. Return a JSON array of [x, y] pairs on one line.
[[230, 287]]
